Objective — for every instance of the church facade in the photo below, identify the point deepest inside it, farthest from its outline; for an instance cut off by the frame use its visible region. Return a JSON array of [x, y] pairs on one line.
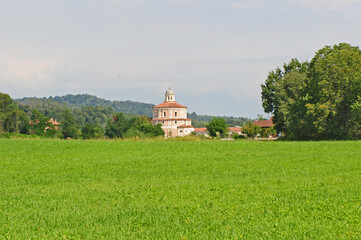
[[172, 116]]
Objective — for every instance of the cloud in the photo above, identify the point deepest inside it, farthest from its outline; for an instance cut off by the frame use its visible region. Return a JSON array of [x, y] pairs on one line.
[[245, 4], [27, 72], [324, 4]]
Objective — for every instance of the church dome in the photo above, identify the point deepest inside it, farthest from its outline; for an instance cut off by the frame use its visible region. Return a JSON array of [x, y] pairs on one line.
[[169, 92]]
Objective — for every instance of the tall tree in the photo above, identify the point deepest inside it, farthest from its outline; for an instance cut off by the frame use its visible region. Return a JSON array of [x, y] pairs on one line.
[[335, 85], [70, 128], [317, 100], [282, 91], [117, 126], [12, 119]]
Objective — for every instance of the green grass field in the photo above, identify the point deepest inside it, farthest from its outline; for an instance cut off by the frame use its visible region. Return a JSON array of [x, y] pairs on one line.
[[54, 189]]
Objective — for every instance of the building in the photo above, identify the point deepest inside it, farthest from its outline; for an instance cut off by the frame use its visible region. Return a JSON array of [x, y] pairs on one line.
[[201, 131], [235, 130], [264, 123], [172, 116]]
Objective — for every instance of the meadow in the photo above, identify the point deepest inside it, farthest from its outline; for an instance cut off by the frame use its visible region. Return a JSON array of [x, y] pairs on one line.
[[57, 189]]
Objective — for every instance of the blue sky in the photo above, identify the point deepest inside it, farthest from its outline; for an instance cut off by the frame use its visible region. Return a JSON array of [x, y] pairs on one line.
[[214, 54]]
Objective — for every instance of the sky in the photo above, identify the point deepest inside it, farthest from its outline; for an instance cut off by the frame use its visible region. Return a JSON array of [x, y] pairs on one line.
[[215, 54]]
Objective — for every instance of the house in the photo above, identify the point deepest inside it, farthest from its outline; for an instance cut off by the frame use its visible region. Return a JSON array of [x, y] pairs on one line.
[[51, 124], [235, 130], [55, 123], [172, 116], [264, 123], [201, 131], [266, 126]]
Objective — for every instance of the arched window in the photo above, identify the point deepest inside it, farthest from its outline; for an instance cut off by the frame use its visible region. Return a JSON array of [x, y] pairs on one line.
[[175, 114], [164, 114]]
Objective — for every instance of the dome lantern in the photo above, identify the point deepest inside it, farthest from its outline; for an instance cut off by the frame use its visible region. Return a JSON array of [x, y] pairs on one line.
[[169, 95]]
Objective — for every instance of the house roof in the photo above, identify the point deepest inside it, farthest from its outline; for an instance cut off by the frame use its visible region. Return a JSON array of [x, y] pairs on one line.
[[264, 123], [170, 105], [235, 129], [200, 129], [54, 122]]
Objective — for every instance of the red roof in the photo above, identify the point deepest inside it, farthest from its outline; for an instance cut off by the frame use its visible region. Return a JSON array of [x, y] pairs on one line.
[[169, 105], [264, 123], [235, 129], [54, 122], [184, 126], [200, 129]]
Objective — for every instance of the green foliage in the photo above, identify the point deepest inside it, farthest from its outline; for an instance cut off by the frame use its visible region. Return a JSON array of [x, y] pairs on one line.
[[81, 100], [217, 125], [315, 100], [41, 125], [267, 132], [51, 189], [12, 119], [92, 131], [70, 128], [134, 132], [117, 126], [94, 110], [202, 120], [356, 118], [251, 130], [238, 137], [52, 109], [140, 126]]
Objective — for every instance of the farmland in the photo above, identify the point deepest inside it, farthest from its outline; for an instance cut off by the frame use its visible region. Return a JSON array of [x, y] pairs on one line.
[[55, 189]]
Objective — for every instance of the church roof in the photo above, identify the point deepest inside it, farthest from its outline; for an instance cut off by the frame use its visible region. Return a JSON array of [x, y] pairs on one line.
[[170, 105]]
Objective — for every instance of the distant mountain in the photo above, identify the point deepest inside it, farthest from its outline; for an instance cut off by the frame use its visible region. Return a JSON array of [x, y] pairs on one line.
[[137, 108]]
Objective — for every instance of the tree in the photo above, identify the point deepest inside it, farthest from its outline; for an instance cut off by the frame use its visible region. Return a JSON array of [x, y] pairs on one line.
[[70, 128], [356, 118], [335, 85], [12, 119], [217, 125], [316, 100], [117, 126], [251, 130], [41, 125], [16, 121], [89, 131], [282, 92]]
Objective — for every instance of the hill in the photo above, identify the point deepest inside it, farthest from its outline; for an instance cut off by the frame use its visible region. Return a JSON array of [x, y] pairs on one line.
[[129, 107]]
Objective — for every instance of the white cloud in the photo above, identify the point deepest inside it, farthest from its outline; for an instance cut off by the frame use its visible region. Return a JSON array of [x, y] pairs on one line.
[[27, 72], [324, 4], [248, 4]]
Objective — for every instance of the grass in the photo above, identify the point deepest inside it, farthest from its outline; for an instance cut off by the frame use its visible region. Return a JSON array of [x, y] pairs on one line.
[[54, 189]]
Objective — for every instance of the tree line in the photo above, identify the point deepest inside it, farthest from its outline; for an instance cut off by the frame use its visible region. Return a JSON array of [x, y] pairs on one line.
[[320, 99], [52, 104], [85, 122]]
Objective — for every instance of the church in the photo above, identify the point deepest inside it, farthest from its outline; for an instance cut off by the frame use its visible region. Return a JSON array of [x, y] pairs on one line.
[[172, 116]]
